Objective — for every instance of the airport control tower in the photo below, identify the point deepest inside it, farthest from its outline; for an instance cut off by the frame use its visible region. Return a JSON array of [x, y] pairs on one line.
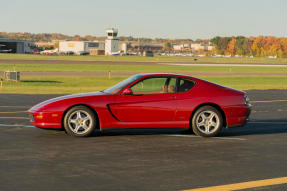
[[112, 42]]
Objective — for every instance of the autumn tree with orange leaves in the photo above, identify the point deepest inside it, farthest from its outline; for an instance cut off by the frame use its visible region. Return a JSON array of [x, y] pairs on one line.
[[260, 46]]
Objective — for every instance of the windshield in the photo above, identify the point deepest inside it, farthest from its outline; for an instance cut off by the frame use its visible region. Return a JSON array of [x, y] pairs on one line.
[[120, 86]]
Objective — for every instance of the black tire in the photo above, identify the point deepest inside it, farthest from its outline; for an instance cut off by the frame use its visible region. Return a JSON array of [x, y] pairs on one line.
[[80, 121], [205, 125]]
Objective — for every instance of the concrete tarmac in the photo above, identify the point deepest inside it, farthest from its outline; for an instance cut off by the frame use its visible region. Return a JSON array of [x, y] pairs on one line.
[[154, 159]]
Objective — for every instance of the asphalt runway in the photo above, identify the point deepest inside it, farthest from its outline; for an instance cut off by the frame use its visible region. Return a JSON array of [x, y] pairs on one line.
[[37, 159], [11, 61]]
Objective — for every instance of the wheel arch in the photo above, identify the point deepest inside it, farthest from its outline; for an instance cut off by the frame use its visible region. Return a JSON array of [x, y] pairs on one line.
[[213, 105], [85, 105]]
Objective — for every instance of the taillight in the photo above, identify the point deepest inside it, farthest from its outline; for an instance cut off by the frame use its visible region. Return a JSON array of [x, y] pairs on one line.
[[246, 99]]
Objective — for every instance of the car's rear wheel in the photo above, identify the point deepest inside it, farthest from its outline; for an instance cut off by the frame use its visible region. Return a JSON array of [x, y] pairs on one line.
[[80, 121], [207, 121]]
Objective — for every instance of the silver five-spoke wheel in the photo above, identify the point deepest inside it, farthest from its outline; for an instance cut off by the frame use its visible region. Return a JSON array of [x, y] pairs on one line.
[[80, 121], [207, 121]]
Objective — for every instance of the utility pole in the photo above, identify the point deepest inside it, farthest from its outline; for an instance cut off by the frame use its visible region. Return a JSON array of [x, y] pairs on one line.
[[138, 44]]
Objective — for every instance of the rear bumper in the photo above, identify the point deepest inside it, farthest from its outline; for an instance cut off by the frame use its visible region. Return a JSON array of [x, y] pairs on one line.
[[46, 119], [242, 119]]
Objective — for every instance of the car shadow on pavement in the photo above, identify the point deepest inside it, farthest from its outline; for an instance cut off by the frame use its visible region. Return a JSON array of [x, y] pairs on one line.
[[257, 127], [147, 131]]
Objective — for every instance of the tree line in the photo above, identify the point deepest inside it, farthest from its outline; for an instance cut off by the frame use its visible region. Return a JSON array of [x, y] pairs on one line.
[[47, 37], [260, 46]]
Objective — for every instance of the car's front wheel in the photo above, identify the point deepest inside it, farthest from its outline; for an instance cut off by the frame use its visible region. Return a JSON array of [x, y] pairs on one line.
[[80, 121], [207, 121]]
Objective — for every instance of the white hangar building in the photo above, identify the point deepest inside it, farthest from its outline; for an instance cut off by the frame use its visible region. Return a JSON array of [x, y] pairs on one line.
[[79, 47], [110, 46]]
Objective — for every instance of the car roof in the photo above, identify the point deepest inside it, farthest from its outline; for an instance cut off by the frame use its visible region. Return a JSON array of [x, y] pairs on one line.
[[165, 74]]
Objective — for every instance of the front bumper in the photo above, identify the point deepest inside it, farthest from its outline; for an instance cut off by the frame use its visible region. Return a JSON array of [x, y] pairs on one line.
[[46, 119]]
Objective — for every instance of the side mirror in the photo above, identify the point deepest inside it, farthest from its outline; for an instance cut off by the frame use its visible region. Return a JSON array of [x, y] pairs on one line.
[[127, 91]]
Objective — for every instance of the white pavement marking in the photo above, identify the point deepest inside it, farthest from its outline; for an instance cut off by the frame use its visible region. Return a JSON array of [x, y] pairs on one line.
[[194, 136], [7, 125], [13, 111], [268, 101], [14, 118], [269, 122], [230, 138], [241, 65], [13, 106]]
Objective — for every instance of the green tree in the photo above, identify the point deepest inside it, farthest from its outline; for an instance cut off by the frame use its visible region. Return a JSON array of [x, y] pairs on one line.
[[167, 46]]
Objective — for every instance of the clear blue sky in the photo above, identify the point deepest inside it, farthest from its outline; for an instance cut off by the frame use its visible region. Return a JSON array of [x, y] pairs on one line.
[[146, 18]]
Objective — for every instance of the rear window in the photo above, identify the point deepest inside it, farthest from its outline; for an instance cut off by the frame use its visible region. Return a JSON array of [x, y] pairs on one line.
[[185, 85]]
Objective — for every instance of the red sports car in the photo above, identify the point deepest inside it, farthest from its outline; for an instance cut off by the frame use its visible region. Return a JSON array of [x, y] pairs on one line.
[[147, 101]]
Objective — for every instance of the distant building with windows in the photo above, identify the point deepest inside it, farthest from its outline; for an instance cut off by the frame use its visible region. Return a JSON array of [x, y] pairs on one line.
[[204, 47], [181, 47], [194, 47], [79, 47]]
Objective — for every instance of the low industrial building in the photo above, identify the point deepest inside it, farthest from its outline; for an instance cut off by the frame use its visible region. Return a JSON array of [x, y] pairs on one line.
[[204, 47], [17, 46], [94, 52], [194, 47], [148, 47], [80, 47]]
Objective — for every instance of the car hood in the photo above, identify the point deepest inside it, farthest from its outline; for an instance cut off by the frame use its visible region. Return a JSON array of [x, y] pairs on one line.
[[60, 98]]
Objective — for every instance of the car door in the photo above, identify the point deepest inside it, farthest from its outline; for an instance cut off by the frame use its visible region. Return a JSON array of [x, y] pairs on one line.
[[153, 99], [186, 99]]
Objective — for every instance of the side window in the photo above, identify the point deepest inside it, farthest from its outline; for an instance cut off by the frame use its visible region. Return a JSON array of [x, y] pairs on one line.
[[151, 86], [185, 85], [172, 85]]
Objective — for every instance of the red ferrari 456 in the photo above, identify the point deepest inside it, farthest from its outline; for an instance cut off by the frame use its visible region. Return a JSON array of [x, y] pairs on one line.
[[147, 101]]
